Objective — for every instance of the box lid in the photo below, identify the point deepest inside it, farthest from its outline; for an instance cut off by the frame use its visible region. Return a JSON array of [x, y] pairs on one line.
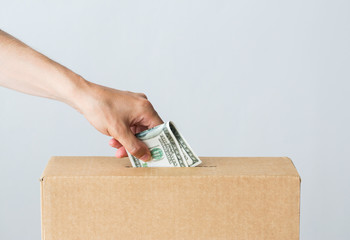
[[211, 166]]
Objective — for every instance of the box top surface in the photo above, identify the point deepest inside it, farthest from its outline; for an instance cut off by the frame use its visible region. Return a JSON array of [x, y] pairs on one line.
[[211, 166]]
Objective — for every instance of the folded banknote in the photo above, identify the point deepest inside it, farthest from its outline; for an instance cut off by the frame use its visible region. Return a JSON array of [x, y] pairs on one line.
[[168, 148]]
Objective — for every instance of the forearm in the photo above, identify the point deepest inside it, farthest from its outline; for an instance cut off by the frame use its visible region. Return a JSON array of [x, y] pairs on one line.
[[113, 112], [24, 69]]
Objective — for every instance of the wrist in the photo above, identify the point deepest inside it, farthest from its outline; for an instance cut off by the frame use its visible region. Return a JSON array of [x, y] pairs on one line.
[[78, 92]]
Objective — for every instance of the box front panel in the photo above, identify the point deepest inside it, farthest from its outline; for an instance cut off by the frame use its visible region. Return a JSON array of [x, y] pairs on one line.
[[148, 208]]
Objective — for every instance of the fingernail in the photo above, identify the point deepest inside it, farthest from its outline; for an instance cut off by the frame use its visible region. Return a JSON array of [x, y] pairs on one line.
[[145, 157]]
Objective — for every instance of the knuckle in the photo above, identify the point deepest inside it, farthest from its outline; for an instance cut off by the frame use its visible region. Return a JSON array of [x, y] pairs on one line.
[[145, 104], [142, 95]]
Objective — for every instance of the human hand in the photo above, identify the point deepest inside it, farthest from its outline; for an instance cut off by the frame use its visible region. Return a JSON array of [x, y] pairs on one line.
[[115, 113], [119, 114]]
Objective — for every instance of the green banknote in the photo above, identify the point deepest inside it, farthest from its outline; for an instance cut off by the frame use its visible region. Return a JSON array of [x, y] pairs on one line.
[[168, 148]]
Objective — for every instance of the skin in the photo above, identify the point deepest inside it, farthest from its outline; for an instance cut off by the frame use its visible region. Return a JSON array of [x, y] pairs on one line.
[[115, 113]]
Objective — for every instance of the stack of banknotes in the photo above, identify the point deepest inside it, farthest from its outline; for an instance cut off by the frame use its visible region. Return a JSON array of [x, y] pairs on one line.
[[168, 148]]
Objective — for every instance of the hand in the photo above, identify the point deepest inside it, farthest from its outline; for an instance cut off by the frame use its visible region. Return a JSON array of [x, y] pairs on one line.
[[115, 113], [119, 114]]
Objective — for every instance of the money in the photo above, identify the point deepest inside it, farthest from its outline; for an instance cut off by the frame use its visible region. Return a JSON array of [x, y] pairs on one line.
[[168, 148]]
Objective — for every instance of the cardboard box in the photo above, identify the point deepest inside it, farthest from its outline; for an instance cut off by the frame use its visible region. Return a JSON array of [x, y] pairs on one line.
[[104, 198]]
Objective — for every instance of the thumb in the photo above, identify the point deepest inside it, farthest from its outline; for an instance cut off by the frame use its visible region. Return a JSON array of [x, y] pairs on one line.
[[133, 145]]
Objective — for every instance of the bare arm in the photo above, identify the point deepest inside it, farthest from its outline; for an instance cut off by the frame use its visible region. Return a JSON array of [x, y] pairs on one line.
[[24, 69], [115, 113]]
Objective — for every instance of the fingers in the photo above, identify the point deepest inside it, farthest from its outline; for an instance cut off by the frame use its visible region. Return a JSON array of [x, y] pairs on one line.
[[115, 143], [146, 110], [138, 128], [155, 120], [124, 138], [121, 152], [135, 147]]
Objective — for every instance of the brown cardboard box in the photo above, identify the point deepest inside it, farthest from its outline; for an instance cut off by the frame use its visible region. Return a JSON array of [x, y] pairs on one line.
[[103, 198]]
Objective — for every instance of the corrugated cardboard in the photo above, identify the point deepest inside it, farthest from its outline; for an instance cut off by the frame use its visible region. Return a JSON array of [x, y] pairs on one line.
[[103, 198]]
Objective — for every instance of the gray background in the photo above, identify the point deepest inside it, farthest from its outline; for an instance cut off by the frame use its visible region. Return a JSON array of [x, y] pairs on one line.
[[239, 78]]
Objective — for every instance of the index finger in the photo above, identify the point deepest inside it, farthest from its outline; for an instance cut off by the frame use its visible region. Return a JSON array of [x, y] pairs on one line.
[[155, 120]]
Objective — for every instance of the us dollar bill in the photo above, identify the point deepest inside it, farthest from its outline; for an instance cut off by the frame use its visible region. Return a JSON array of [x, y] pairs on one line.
[[168, 148]]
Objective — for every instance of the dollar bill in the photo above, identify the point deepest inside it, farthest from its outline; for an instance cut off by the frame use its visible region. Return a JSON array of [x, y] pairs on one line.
[[168, 148]]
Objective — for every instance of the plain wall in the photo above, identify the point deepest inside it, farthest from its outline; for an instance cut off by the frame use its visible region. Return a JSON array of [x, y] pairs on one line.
[[239, 78]]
